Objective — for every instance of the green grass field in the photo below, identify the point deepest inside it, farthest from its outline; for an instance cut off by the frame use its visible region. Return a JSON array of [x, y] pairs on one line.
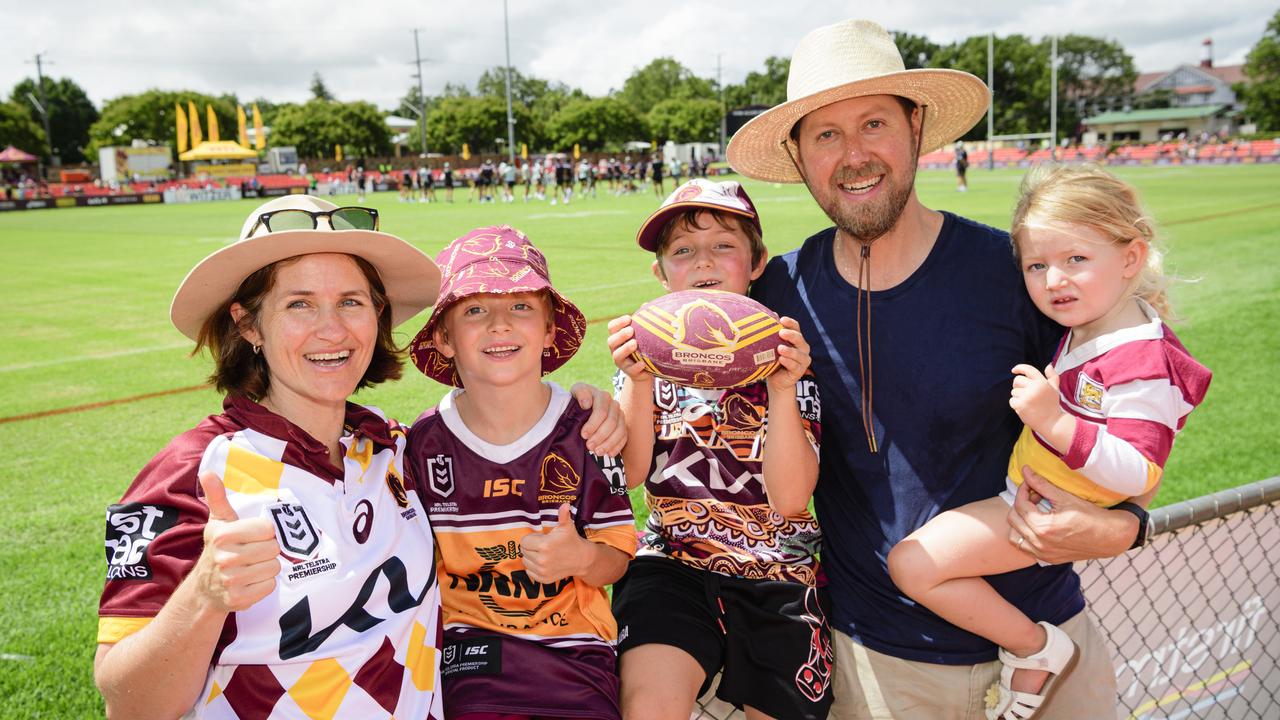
[[90, 326]]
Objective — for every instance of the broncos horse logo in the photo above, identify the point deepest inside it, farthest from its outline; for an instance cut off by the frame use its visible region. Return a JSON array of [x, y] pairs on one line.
[[704, 326], [559, 479]]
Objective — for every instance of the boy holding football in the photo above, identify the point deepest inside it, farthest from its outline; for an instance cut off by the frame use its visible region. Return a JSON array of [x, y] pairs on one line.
[[530, 527], [727, 577]]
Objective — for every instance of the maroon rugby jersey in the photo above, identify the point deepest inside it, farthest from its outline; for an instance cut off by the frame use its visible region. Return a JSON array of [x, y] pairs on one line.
[[482, 499], [705, 491]]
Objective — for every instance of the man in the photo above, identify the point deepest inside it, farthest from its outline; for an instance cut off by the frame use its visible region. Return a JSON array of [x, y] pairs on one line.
[[915, 318], [962, 166]]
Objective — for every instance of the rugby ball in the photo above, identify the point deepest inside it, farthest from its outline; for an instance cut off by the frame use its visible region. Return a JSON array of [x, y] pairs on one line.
[[707, 338]]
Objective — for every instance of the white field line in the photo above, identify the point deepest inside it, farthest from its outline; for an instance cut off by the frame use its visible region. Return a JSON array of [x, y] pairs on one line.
[[572, 291], [95, 356], [15, 657]]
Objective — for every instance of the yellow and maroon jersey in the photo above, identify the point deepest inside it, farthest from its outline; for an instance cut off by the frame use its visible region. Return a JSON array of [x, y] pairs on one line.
[[352, 628], [1130, 392], [707, 502], [483, 498]]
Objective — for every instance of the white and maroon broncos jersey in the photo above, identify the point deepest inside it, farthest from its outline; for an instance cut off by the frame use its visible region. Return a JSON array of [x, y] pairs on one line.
[[352, 629]]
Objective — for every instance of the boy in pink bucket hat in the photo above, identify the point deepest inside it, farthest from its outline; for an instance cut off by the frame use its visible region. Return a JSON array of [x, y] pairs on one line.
[[530, 526], [728, 561]]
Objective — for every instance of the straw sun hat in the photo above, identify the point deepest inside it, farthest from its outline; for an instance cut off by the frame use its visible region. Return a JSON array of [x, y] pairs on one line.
[[410, 277], [854, 58]]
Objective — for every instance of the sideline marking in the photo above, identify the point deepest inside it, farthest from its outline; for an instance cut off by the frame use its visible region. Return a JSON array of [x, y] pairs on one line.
[[1215, 216], [99, 404], [13, 656]]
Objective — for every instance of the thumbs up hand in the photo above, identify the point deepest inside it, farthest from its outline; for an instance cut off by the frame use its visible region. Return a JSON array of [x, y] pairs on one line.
[[558, 553], [238, 566]]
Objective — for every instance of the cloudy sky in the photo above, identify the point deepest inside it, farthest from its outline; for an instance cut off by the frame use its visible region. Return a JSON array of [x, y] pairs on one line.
[[363, 48]]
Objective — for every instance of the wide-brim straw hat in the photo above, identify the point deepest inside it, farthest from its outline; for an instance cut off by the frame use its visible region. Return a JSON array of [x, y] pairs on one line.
[[854, 58], [410, 278]]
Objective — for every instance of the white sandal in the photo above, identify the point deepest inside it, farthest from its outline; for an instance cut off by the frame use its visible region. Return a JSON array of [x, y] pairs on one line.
[[1058, 657]]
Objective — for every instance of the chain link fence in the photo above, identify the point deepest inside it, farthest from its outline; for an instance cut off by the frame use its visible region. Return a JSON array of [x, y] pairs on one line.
[[1190, 617]]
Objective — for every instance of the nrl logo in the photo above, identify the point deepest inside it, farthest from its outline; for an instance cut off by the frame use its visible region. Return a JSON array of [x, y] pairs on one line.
[[440, 475], [450, 652], [298, 537]]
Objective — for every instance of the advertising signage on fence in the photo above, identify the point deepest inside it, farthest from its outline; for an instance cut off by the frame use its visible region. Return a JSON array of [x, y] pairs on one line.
[[92, 201], [1191, 616]]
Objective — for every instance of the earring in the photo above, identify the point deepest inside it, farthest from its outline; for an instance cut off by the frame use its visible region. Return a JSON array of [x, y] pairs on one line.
[[257, 349]]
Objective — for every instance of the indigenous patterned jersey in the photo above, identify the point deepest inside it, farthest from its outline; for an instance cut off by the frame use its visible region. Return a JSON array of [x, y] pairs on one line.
[[1130, 391], [706, 495], [352, 629], [483, 499]]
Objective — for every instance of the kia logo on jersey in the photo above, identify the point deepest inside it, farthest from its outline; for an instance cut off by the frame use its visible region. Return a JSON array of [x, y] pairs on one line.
[[294, 530]]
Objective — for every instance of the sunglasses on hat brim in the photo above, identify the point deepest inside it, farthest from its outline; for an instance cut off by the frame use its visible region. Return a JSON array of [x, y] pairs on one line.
[[343, 218]]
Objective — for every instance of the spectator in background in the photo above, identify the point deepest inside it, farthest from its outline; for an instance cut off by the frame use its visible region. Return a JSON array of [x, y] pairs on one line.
[[962, 166]]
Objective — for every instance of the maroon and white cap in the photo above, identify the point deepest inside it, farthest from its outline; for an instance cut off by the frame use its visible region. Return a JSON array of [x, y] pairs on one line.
[[728, 196]]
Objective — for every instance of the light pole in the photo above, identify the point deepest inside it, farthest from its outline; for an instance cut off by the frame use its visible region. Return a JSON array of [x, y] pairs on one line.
[[511, 121]]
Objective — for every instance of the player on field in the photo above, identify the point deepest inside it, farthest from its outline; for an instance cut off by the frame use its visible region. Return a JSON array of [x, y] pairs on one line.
[[728, 563], [530, 526]]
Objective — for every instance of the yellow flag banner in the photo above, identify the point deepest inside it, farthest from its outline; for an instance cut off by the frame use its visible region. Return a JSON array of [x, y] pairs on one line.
[[577, 153], [466, 152], [524, 151], [241, 126], [213, 124], [259, 139], [193, 119], [337, 153], [181, 119]]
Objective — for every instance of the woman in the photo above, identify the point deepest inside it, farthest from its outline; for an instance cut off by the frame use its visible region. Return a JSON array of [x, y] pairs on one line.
[[271, 561]]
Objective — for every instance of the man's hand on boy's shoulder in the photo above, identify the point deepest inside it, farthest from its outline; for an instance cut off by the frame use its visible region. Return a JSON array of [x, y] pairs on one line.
[[605, 429], [793, 357], [622, 344]]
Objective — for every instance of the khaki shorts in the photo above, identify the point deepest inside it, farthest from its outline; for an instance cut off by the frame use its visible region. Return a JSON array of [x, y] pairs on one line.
[[868, 684]]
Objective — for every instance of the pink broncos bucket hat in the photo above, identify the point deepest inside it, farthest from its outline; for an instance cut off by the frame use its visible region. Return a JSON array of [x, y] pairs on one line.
[[498, 259], [727, 196]]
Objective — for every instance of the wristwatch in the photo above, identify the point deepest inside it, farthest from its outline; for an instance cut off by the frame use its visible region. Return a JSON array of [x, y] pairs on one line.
[[1143, 521]]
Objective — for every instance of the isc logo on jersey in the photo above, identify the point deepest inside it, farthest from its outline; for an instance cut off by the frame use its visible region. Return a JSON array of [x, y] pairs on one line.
[[130, 529]]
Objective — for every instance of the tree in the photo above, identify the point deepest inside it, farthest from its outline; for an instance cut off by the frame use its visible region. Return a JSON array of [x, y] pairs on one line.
[[316, 126], [1021, 81], [319, 91], [663, 79], [149, 116], [766, 88], [71, 113], [1094, 74], [917, 50], [524, 88], [481, 122], [595, 124], [685, 120], [19, 128], [1261, 94]]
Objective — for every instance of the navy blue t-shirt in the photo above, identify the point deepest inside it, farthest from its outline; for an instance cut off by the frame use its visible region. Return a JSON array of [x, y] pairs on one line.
[[943, 343]]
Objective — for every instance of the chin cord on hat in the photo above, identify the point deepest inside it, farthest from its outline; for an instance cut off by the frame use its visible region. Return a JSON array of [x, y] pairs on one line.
[[865, 375]]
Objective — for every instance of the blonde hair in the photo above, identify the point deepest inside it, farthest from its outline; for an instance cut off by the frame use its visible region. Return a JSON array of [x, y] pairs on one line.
[[1090, 196]]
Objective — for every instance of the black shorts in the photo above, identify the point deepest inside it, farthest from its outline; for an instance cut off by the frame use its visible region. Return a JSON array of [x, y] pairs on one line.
[[769, 639]]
